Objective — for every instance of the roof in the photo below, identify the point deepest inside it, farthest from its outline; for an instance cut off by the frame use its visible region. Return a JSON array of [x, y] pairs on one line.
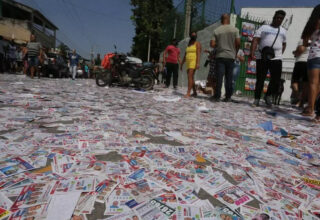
[[30, 10]]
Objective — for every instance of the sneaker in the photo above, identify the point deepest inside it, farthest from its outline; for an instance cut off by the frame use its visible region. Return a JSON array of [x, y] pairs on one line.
[[267, 100], [226, 100], [256, 103], [175, 88], [214, 99]]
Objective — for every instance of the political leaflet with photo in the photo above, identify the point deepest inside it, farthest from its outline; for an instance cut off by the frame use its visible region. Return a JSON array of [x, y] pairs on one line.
[[34, 194], [81, 183], [147, 211], [14, 166], [116, 203], [233, 197], [35, 212], [104, 188]]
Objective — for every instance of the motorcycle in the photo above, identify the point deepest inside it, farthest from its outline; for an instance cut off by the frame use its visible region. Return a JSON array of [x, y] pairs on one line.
[[124, 72]]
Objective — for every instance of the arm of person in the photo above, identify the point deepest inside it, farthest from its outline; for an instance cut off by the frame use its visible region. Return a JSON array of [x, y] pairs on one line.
[[241, 58], [179, 60], [284, 45], [198, 55], [300, 50], [237, 40], [255, 42], [183, 60], [213, 43], [165, 56], [237, 44]]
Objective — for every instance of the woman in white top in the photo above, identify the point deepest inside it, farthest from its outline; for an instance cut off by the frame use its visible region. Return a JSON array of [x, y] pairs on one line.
[[312, 32]]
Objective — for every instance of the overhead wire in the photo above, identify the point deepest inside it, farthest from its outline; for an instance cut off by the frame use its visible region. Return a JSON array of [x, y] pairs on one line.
[[70, 42]]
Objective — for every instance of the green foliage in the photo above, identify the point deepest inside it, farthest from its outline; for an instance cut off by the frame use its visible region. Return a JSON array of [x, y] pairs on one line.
[[149, 18]]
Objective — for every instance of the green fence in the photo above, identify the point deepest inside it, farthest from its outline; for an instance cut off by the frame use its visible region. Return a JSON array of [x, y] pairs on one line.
[[203, 14], [247, 77]]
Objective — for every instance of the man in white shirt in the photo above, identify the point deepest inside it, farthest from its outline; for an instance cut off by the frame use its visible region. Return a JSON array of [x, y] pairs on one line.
[[274, 36]]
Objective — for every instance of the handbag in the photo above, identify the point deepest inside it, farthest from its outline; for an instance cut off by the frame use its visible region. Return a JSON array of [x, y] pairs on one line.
[[267, 52]]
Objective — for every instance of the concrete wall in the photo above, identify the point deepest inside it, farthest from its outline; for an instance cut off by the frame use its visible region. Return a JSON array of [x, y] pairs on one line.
[[204, 37], [17, 29]]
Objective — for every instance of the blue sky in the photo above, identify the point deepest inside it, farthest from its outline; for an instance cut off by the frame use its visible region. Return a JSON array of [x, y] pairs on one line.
[[99, 24]]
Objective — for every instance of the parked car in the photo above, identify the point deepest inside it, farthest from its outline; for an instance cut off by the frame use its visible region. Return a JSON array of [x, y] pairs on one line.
[[56, 66]]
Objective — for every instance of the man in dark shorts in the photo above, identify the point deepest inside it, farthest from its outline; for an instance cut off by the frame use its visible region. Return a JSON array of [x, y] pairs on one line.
[[34, 52], [299, 80]]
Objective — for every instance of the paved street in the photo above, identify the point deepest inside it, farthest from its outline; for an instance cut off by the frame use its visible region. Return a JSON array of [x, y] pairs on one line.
[[77, 130]]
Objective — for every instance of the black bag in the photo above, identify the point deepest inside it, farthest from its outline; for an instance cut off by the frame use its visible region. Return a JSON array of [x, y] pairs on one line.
[[267, 52]]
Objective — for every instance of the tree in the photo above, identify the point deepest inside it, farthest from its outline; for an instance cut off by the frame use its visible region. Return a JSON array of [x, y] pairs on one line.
[[149, 19]]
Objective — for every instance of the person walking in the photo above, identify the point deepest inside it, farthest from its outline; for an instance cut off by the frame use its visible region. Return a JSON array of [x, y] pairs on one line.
[[312, 32], [73, 63], [272, 44], [192, 58], [34, 51], [226, 40], [171, 60], [12, 56], [299, 79]]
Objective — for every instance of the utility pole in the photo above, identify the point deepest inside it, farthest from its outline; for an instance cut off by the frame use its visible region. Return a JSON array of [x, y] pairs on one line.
[[232, 8], [149, 48], [175, 28], [91, 53], [188, 18]]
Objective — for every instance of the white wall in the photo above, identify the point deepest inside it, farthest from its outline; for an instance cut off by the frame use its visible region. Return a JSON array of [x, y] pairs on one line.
[[300, 17]]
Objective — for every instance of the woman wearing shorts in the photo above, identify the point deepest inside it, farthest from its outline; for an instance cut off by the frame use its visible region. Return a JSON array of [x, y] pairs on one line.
[[312, 32]]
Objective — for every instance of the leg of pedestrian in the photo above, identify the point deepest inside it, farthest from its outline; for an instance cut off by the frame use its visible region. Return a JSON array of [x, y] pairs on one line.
[[169, 73], [229, 64], [275, 67], [313, 91], [175, 75], [261, 76], [220, 73]]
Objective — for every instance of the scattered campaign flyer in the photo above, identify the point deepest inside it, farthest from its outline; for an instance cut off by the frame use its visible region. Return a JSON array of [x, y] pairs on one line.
[[33, 212], [83, 184], [34, 194], [15, 166], [116, 203], [4, 213], [69, 149], [233, 197], [104, 188], [148, 210]]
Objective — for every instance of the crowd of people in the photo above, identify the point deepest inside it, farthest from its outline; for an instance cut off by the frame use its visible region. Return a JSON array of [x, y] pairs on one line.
[[267, 48], [32, 59]]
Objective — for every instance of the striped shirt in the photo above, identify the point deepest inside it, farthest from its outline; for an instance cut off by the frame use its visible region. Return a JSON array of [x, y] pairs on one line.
[[33, 49]]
